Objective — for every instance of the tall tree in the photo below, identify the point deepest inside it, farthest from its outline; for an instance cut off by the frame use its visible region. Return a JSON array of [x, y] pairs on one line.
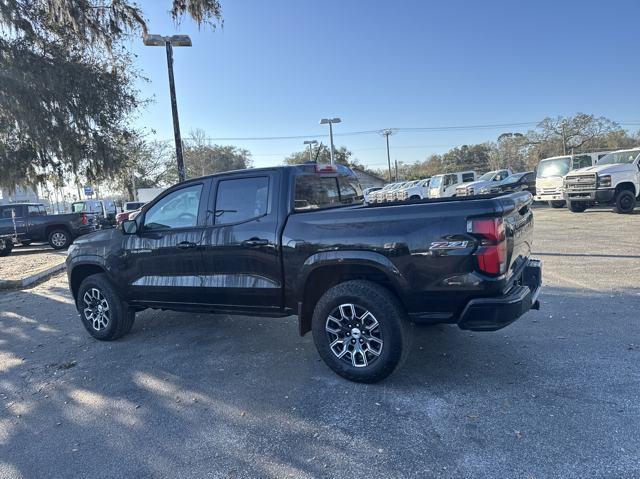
[[322, 154], [66, 89], [201, 157]]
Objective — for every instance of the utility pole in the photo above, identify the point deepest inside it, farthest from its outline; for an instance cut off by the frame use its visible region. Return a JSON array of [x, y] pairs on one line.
[[396, 170], [311, 143], [564, 139], [169, 43], [386, 134], [331, 121]]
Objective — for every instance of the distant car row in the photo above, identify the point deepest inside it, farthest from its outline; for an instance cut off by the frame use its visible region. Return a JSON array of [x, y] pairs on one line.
[[449, 185]]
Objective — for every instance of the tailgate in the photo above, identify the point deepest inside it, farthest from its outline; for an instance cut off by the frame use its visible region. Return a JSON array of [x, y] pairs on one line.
[[518, 220]]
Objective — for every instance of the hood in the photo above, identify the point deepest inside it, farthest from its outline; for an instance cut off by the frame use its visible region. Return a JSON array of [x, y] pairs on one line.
[[477, 184], [98, 236], [605, 169]]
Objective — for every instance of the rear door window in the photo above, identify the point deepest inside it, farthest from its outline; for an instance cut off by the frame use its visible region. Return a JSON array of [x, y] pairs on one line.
[[241, 199]]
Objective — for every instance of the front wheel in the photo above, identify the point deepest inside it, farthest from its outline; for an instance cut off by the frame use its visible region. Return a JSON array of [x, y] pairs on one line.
[[361, 331], [577, 207], [415, 198], [59, 239], [556, 204], [104, 315], [625, 202]]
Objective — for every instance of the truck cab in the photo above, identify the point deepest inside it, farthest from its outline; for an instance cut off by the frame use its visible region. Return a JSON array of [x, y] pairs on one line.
[[615, 181], [550, 173], [444, 186]]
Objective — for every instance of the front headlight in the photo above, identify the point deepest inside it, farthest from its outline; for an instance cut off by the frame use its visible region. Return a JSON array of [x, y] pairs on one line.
[[604, 181]]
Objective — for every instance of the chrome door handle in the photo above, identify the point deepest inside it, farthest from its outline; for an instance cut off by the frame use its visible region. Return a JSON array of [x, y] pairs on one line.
[[186, 245]]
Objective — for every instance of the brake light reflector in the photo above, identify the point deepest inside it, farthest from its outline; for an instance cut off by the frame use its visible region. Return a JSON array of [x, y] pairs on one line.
[[491, 255], [325, 168]]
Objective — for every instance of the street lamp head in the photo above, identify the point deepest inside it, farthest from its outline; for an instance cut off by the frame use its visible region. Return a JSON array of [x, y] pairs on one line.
[[324, 121], [153, 40], [180, 40], [160, 41]]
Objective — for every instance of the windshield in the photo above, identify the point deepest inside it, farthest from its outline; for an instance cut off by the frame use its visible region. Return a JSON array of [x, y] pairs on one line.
[[487, 176], [435, 181], [619, 157], [554, 167], [513, 178]]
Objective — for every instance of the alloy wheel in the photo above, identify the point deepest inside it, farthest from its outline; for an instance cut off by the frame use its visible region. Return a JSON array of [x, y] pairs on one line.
[[96, 309], [59, 239], [354, 335]]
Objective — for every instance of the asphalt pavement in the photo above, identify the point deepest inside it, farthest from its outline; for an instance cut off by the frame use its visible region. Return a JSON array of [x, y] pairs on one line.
[[554, 395]]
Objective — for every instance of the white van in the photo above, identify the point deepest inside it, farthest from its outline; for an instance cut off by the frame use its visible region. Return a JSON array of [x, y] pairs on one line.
[[444, 186], [550, 171]]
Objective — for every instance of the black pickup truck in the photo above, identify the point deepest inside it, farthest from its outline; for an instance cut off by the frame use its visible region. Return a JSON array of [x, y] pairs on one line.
[[298, 240], [30, 222]]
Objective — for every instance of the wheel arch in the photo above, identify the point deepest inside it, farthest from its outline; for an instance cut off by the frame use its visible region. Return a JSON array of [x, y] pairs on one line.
[[626, 186], [80, 272], [325, 270], [50, 228]]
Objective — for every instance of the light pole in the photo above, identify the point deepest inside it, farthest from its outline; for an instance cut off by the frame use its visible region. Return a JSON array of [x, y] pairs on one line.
[[170, 42], [311, 143], [386, 134], [331, 121]]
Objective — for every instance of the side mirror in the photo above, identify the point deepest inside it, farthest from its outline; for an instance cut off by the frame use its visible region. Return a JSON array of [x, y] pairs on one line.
[[129, 227]]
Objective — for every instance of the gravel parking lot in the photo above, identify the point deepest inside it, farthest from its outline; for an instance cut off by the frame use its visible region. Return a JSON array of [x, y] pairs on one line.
[[556, 394]]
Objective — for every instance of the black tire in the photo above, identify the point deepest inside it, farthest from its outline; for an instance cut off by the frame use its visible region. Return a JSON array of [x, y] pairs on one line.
[[625, 202], [59, 238], [393, 331], [415, 197], [557, 204], [6, 245], [120, 317], [577, 207]]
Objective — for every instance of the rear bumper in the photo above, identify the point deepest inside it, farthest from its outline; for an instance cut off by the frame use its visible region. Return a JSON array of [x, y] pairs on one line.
[[491, 314]]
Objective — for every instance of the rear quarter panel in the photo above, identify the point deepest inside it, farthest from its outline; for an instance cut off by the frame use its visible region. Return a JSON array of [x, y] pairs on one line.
[[398, 238]]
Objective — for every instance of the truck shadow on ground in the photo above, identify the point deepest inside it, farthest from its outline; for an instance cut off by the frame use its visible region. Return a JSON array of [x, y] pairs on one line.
[[246, 397]]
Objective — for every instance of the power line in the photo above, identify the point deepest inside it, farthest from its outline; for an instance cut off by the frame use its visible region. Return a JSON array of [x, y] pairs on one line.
[[401, 130]]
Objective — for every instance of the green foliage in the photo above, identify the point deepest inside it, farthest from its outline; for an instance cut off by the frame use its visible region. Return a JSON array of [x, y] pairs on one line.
[[321, 154], [201, 157], [66, 85]]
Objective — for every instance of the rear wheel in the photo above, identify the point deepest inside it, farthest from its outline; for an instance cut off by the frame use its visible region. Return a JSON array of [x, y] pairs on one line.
[[6, 245], [557, 204], [625, 202], [104, 315], [415, 197], [59, 239], [361, 331], [577, 207]]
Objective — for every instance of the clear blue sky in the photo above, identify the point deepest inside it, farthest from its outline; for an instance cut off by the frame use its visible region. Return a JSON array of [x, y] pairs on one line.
[[279, 66]]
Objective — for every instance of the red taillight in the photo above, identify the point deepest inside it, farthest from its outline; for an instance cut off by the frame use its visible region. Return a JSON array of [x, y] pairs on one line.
[[492, 252], [325, 168], [83, 219]]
